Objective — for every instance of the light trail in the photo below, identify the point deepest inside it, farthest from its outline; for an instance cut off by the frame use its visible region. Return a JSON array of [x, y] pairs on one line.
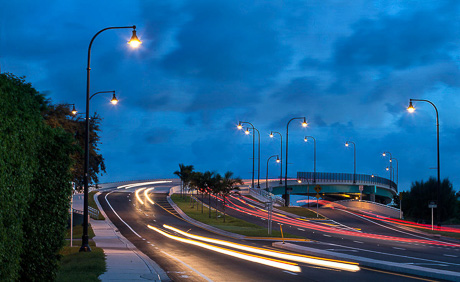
[[147, 195], [137, 195], [348, 266], [127, 186], [253, 258]]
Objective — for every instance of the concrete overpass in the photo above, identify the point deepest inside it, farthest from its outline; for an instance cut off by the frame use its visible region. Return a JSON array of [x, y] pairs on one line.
[[339, 186]]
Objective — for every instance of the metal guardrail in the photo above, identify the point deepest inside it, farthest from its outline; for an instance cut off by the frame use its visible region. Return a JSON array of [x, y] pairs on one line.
[[77, 211], [93, 213], [267, 195], [370, 202], [333, 177]]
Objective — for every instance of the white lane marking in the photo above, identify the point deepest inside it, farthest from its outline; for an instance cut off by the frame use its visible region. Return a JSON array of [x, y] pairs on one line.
[[292, 273], [388, 254], [193, 269], [119, 216], [422, 263], [452, 256], [340, 250], [300, 229], [396, 248], [429, 239], [325, 235], [358, 242]]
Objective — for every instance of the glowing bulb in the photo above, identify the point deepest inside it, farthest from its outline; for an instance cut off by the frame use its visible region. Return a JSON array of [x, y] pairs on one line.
[[134, 41], [239, 126], [300, 181], [384, 154], [304, 124], [247, 132], [387, 168], [346, 144], [411, 108], [305, 139], [277, 160], [271, 134], [114, 100], [74, 111]]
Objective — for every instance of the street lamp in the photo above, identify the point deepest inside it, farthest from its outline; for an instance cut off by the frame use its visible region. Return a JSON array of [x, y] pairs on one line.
[[314, 156], [281, 154], [304, 124], [391, 165], [240, 126], [411, 109], [354, 149], [397, 170], [266, 178], [134, 42]]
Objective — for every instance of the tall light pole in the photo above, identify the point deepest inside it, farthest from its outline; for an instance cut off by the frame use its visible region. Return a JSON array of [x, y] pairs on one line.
[[354, 150], [397, 170], [314, 156], [240, 126], [281, 154], [411, 109], [391, 165], [134, 42], [304, 124], [266, 178]]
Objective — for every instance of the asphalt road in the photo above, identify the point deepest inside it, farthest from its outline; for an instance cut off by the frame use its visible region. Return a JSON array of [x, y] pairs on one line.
[[183, 261]]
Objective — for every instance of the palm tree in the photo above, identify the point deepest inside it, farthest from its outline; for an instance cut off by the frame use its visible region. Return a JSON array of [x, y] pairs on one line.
[[229, 185], [184, 173]]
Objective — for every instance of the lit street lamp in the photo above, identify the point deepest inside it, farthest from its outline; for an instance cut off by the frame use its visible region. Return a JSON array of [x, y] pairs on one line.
[[354, 150], [411, 109], [134, 42], [304, 124], [314, 156], [281, 154], [391, 165], [240, 126], [266, 178]]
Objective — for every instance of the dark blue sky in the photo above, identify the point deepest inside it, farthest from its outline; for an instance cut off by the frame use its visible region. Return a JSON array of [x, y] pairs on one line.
[[349, 67]]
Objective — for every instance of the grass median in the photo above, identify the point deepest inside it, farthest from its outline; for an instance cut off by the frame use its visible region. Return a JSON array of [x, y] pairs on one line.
[[92, 204], [231, 224]]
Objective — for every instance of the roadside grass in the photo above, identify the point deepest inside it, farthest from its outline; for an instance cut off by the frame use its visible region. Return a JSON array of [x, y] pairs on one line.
[[92, 204], [308, 213], [76, 266], [442, 233], [78, 232], [231, 224]]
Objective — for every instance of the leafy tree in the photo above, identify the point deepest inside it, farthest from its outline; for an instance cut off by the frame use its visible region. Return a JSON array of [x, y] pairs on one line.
[[415, 202], [60, 116], [185, 175]]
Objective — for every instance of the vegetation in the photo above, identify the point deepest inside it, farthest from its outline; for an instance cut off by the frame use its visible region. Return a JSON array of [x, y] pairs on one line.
[[81, 266], [93, 204], [231, 224], [415, 202], [35, 162]]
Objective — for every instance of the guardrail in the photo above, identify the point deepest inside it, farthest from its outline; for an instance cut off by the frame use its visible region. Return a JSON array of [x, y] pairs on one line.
[[93, 213], [267, 195], [333, 177]]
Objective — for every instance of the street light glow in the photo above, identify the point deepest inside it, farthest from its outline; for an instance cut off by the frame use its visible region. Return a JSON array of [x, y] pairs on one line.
[[134, 41], [304, 123], [346, 144], [271, 135], [74, 111], [239, 126], [247, 131], [411, 108], [114, 100]]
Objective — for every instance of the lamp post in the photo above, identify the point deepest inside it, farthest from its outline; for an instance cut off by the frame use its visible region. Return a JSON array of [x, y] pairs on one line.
[[240, 126], [314, 156], [304, 124], [281, 154], [266, 178], [411, 109], [354, 150], [391, 166], [134, 42], [397, 170]]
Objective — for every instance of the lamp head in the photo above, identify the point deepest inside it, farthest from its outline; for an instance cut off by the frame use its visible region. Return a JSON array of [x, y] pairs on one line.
[[387, 168], [384, 154], [74, 111], [114, 100], [277, 159], [305, 139], [346, 144], [247, 131], [411, 108], [304, 123], [391, 160], [239, 126], [299, 181], [271, 134], [134, 41], [372, 176]]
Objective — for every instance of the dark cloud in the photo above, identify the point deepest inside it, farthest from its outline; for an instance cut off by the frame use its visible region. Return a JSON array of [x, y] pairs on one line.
[[159, 135]]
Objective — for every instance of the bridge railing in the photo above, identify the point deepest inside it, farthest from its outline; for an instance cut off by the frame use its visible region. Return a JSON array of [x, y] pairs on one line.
[[333, 177]]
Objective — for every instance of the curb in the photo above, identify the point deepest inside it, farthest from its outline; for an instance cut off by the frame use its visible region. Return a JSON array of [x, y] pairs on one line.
[[376, 264], [154, 268]]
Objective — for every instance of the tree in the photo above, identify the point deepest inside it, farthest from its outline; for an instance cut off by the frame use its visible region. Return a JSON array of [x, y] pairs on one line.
[[415, 202], [60, 116], [185, 175], [229, 186]]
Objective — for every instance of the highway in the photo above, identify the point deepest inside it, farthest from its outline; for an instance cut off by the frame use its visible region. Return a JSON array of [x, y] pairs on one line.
[[184, 261]]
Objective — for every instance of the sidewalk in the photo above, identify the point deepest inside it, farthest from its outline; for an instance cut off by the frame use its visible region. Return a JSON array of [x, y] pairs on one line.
[[124, 261]]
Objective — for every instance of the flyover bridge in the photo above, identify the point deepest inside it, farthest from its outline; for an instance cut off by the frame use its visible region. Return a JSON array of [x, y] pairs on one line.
[[338, 186]]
